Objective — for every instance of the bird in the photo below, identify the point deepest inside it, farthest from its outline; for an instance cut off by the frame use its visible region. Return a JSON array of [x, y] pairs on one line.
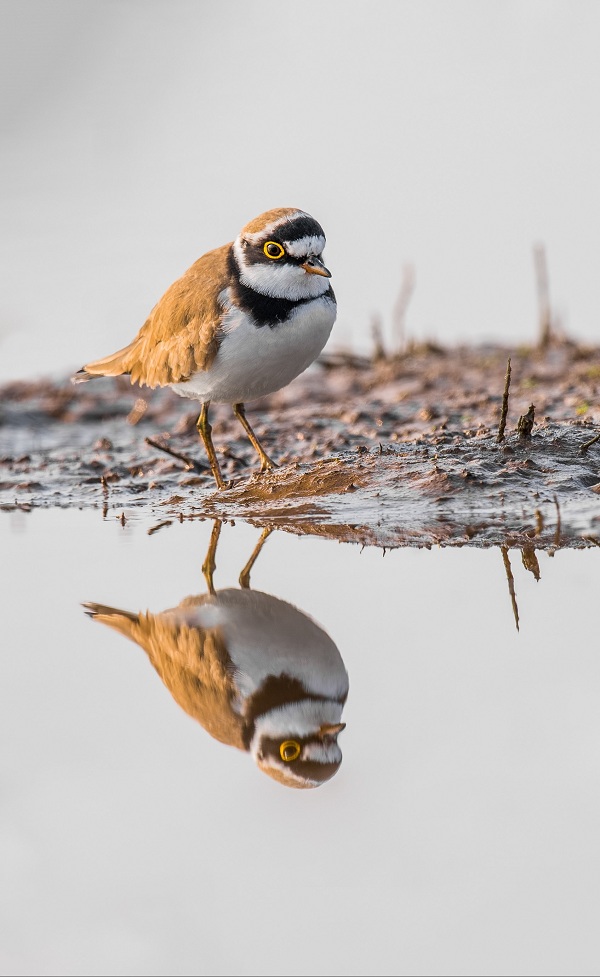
[[255, 671], [242, 322]]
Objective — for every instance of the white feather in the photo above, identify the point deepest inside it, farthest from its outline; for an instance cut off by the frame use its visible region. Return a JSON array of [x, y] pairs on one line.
[[304, 246], [322, 752], [253, 361], [267, 636]]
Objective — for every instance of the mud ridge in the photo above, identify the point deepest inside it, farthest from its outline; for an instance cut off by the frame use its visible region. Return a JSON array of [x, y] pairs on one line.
[[394, 453]]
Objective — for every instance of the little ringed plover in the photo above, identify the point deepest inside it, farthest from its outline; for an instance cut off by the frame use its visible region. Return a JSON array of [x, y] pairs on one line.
[[242, 322]]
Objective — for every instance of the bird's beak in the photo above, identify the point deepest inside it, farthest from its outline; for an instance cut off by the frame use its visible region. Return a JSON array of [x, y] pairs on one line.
[[314, 266], [331, 729]]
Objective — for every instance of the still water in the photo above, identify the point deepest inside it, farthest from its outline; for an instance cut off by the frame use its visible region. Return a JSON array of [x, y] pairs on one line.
[[148, 826]]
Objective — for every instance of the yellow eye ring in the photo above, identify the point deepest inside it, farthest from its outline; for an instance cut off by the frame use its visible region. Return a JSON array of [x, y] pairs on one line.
[[289, 750], [273, 250]]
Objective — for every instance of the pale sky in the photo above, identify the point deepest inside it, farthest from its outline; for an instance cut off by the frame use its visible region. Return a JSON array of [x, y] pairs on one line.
[[137, 135]]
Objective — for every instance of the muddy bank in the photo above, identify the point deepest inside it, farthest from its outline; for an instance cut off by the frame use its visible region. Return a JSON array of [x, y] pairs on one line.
[[398, 452]]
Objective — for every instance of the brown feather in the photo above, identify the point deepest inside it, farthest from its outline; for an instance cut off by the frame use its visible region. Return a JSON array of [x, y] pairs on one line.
[[192, 662], [181, 334], [260, 223]]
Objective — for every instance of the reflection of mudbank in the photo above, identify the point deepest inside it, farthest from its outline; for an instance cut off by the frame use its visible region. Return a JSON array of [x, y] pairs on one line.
[[256, 672]]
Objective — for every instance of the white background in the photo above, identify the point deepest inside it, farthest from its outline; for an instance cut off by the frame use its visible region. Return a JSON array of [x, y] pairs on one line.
[[137, 135]]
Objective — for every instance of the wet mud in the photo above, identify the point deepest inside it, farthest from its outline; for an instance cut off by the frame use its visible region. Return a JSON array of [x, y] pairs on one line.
[[401, 451]]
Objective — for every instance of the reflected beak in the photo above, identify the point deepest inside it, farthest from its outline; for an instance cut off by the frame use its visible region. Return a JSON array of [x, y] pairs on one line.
[[331, 729], [314, 266]]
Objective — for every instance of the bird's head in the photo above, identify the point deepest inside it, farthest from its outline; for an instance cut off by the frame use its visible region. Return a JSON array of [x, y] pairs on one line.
[[279, 254], [297, 745]]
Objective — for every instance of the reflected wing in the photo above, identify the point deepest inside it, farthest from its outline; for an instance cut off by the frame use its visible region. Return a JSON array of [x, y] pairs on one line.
[[192, 662], [181, 334]]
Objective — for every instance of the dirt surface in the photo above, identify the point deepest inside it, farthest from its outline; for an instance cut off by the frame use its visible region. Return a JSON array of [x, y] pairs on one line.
[[397, 452]]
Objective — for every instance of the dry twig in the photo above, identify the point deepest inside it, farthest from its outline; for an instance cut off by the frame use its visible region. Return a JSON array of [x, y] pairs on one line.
[[526, 422], [504, 412], [511, 584], [557, 533], [543, 293], [530, 561], [379, 353], [407, 287], [159, 525], [588, 444], [190, 463]]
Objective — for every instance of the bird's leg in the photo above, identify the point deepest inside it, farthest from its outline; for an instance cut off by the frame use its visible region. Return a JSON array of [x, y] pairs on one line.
[[245, 574], [204, 430], [209, 566], [266, 463]]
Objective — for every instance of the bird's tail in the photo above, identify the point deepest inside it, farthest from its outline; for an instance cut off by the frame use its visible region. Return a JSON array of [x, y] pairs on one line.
[[122, 621], [110, 366]]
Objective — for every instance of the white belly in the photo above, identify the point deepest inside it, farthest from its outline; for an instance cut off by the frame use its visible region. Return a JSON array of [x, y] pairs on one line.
[[253, 361], [266, 636]]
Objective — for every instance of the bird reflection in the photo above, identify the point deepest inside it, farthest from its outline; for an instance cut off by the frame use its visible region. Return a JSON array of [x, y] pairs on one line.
[[255, 671]]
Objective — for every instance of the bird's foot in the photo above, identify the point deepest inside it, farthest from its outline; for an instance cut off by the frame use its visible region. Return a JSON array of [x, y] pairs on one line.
[[223, 485], [267, 464]]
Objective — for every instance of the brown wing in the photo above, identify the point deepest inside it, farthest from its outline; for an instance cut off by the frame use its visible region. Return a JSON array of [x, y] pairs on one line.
[[192, 662], [181, 334]]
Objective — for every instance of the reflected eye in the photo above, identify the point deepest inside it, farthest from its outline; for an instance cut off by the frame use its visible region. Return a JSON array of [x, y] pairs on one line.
[[274, 250], [289, 750]]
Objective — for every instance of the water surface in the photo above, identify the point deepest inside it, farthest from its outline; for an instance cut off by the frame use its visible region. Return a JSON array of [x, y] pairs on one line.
[[458, 835]]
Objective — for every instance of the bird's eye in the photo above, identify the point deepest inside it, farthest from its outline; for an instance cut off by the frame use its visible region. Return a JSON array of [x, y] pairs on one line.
[[289, 750], [274, 250]]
